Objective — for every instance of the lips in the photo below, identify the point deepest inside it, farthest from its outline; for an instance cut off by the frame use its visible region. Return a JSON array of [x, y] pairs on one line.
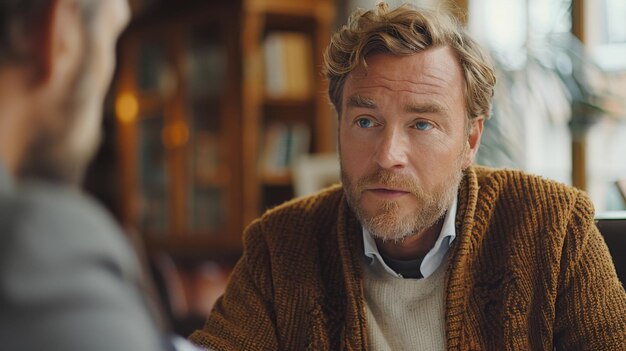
[[387, 184], [386, 188], [386, 192]]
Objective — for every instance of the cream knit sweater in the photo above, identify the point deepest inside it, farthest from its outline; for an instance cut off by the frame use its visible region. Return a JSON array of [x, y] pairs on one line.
[[404, 314]]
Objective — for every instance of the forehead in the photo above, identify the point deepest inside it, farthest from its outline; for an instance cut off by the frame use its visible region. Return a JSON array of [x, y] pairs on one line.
[[435, 71]]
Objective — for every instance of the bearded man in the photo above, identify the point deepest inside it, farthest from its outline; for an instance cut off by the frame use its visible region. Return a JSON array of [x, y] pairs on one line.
[[420, 250]]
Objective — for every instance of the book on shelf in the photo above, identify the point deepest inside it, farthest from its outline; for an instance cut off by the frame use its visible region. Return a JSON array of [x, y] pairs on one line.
[[283, 144], [288, 58]]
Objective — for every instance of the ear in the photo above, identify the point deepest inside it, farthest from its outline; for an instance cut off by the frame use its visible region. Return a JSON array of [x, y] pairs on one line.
[[61, 45], [473, 140]]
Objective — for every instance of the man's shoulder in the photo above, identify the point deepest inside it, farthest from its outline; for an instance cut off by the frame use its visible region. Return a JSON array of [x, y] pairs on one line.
[[310, 213], [529, 190], [297, 237], [514, 179], [57, 206], [61, 251], [52, 221], [326, 200]]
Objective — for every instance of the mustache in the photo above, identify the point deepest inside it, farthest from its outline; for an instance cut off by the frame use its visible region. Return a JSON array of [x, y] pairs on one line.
[[391, 179]]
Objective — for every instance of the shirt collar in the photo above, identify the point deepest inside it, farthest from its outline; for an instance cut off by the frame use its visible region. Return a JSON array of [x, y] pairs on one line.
[[433, 258]]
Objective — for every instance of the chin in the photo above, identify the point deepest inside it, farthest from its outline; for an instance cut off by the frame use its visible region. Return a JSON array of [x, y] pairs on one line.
[[392, 229], [397, 228]]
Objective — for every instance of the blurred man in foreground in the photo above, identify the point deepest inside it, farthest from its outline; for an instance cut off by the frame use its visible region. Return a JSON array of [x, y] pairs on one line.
[[69, 280], [418, 249]]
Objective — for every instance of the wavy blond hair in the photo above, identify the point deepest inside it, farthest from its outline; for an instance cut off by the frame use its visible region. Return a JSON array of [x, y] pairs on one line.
[[407, 30]]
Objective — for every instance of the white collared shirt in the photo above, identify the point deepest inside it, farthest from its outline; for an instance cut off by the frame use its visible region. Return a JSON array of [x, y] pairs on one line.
[[433, 258]]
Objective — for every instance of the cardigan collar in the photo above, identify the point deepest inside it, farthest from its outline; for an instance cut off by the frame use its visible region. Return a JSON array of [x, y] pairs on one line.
[[458, 255]]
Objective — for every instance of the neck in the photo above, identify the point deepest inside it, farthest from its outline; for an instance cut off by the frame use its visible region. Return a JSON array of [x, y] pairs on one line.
[[413, 247]]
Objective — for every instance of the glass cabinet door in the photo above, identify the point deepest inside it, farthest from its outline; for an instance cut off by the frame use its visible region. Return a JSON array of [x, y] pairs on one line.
[[152, 83], [183, 137], [152, 176], [208, 175]]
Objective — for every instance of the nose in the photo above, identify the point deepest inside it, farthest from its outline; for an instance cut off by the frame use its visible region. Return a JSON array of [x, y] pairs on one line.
[[392, 150]]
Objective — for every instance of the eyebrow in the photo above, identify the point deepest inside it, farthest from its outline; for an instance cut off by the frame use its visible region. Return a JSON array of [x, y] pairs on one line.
[[425, 108], [361, 101]]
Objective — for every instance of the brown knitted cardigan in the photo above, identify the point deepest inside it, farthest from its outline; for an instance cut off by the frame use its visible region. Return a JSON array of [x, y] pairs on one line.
[[528, 271]]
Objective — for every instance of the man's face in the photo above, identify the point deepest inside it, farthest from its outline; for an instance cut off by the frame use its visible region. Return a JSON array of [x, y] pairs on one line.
[[63, 147], [403, 141]]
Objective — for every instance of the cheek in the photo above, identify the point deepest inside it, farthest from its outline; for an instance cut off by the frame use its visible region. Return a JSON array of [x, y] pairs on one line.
[[354, 155], [103, 63], [435, 160], [102, 58]]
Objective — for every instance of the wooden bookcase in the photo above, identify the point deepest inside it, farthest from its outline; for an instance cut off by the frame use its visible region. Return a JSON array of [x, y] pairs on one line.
[[193, 115], [262, 20]]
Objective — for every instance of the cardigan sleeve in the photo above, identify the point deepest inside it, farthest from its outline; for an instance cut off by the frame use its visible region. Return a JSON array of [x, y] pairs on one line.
[[591, 302], [243, 318]]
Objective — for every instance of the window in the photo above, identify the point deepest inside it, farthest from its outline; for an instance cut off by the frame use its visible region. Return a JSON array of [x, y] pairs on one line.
[[523, 36], [615, 13]]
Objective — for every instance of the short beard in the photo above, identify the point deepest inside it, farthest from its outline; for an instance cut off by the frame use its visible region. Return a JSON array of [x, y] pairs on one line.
[[387, 224]]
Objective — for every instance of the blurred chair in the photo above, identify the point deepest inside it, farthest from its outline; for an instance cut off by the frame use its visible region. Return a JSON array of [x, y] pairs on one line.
[[613, 229], [171, 292], [621, 186], [313, 172]]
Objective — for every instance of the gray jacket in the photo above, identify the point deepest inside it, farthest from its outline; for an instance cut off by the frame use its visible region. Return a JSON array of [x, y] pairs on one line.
[[69, 279]]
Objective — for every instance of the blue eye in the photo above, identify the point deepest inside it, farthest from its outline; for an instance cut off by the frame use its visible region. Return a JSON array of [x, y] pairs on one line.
[[423, 126], [365, 123]]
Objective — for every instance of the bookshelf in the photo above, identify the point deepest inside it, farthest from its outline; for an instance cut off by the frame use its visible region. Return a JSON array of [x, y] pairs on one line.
[[208, 119], [214, 100], [282, 43]]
